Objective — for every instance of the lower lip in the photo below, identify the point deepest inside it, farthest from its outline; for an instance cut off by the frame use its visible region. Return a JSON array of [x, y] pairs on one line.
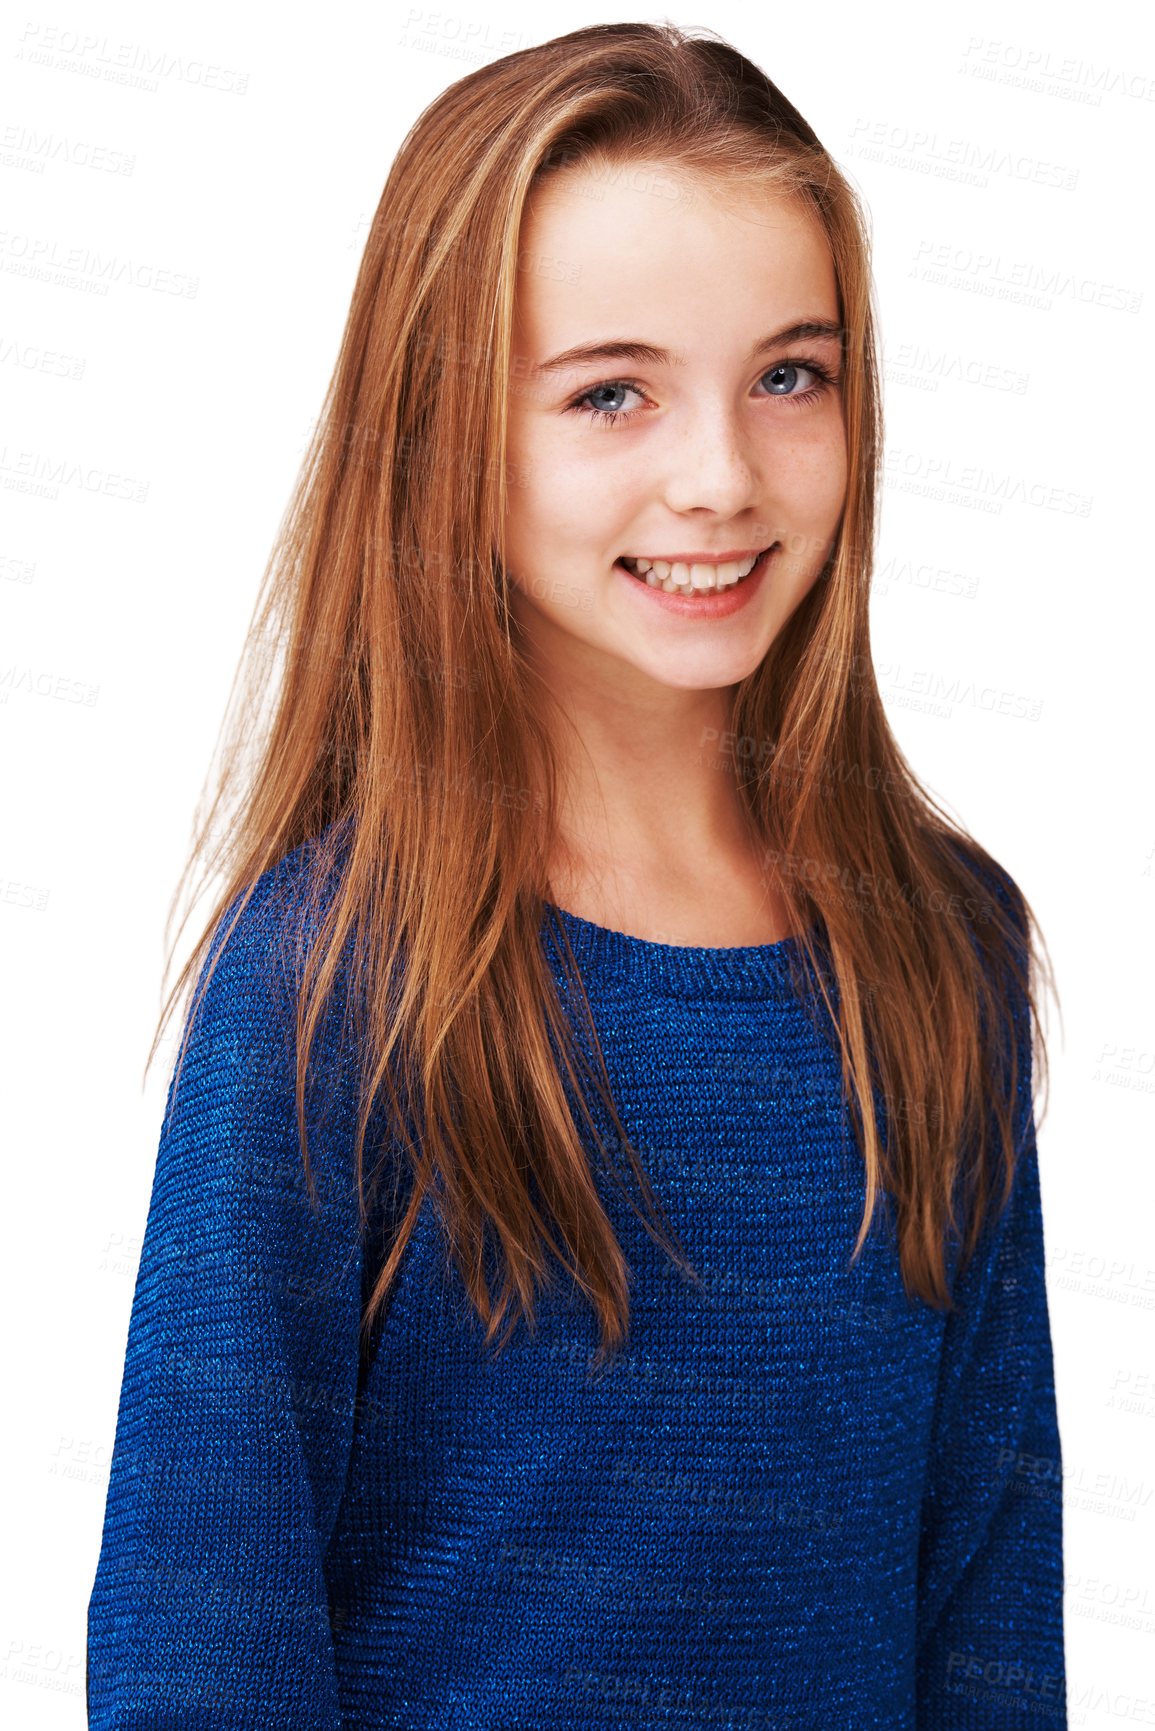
[[710, 604]]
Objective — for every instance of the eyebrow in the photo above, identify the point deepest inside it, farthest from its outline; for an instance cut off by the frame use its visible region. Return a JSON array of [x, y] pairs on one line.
[[646, 355]]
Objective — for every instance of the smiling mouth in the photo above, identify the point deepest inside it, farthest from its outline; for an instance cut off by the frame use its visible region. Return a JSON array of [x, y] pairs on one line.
[[678, 578]]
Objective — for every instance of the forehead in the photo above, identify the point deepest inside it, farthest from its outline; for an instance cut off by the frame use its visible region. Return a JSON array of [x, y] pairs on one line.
[[684, 262]]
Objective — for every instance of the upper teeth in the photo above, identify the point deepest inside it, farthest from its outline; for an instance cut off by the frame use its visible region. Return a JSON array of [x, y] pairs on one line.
[[660, 573]]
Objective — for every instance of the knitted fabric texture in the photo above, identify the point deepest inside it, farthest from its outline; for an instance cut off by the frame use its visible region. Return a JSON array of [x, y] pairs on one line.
[[798, 1500]]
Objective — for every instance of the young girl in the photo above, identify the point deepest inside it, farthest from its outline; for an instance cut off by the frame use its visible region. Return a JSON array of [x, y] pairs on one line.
[[594, 1272]]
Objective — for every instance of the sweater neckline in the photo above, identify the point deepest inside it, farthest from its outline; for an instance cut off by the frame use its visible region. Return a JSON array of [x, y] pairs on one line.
[[683, 970]]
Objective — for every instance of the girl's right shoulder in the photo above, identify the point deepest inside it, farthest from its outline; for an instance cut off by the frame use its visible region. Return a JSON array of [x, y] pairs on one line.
[[249, 983]]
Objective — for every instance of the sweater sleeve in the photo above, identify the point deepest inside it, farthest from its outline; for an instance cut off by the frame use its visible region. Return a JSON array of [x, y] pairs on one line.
[[235, 1420], [990, 1606]]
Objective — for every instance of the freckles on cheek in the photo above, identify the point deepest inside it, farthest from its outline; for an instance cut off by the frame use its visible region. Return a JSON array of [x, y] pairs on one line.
[[817, 481]]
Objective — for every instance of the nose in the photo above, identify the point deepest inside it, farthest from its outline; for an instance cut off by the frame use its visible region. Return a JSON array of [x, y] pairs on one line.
[[711, 464]]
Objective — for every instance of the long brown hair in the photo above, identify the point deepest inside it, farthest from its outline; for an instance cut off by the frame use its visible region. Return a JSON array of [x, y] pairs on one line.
[[384, 703]]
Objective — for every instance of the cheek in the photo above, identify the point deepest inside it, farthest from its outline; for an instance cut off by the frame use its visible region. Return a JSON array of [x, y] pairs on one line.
[[535, 488], [558, 511], [532, 519], [818, 476], [552, 539]]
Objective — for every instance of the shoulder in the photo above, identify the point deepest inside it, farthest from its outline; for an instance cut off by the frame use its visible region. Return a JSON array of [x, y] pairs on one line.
[[276, 919], [249, 982], [992, 888], [999, 926], [996, 915], [231, 1147]]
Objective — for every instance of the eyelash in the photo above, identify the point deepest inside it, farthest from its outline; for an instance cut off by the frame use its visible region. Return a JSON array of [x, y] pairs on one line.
[[610, 418]]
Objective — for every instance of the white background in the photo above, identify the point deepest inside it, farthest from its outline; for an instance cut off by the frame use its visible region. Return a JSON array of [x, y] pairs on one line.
[[1005, 157]]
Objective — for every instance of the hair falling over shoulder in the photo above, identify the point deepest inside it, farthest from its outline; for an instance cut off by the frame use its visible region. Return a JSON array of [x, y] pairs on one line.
[[383, 700]]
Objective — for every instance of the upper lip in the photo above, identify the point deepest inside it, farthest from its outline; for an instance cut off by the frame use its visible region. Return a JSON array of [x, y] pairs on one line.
[[734, 555]]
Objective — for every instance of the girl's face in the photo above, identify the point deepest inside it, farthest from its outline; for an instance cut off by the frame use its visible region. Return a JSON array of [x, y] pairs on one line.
[[724, 437]]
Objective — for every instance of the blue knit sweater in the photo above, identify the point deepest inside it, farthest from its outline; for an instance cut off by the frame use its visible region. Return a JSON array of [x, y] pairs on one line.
[[799, 1501]]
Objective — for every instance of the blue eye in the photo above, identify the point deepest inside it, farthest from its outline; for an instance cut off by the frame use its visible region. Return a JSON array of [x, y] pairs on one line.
[[787, 367], [607, 415], [785, 372]]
